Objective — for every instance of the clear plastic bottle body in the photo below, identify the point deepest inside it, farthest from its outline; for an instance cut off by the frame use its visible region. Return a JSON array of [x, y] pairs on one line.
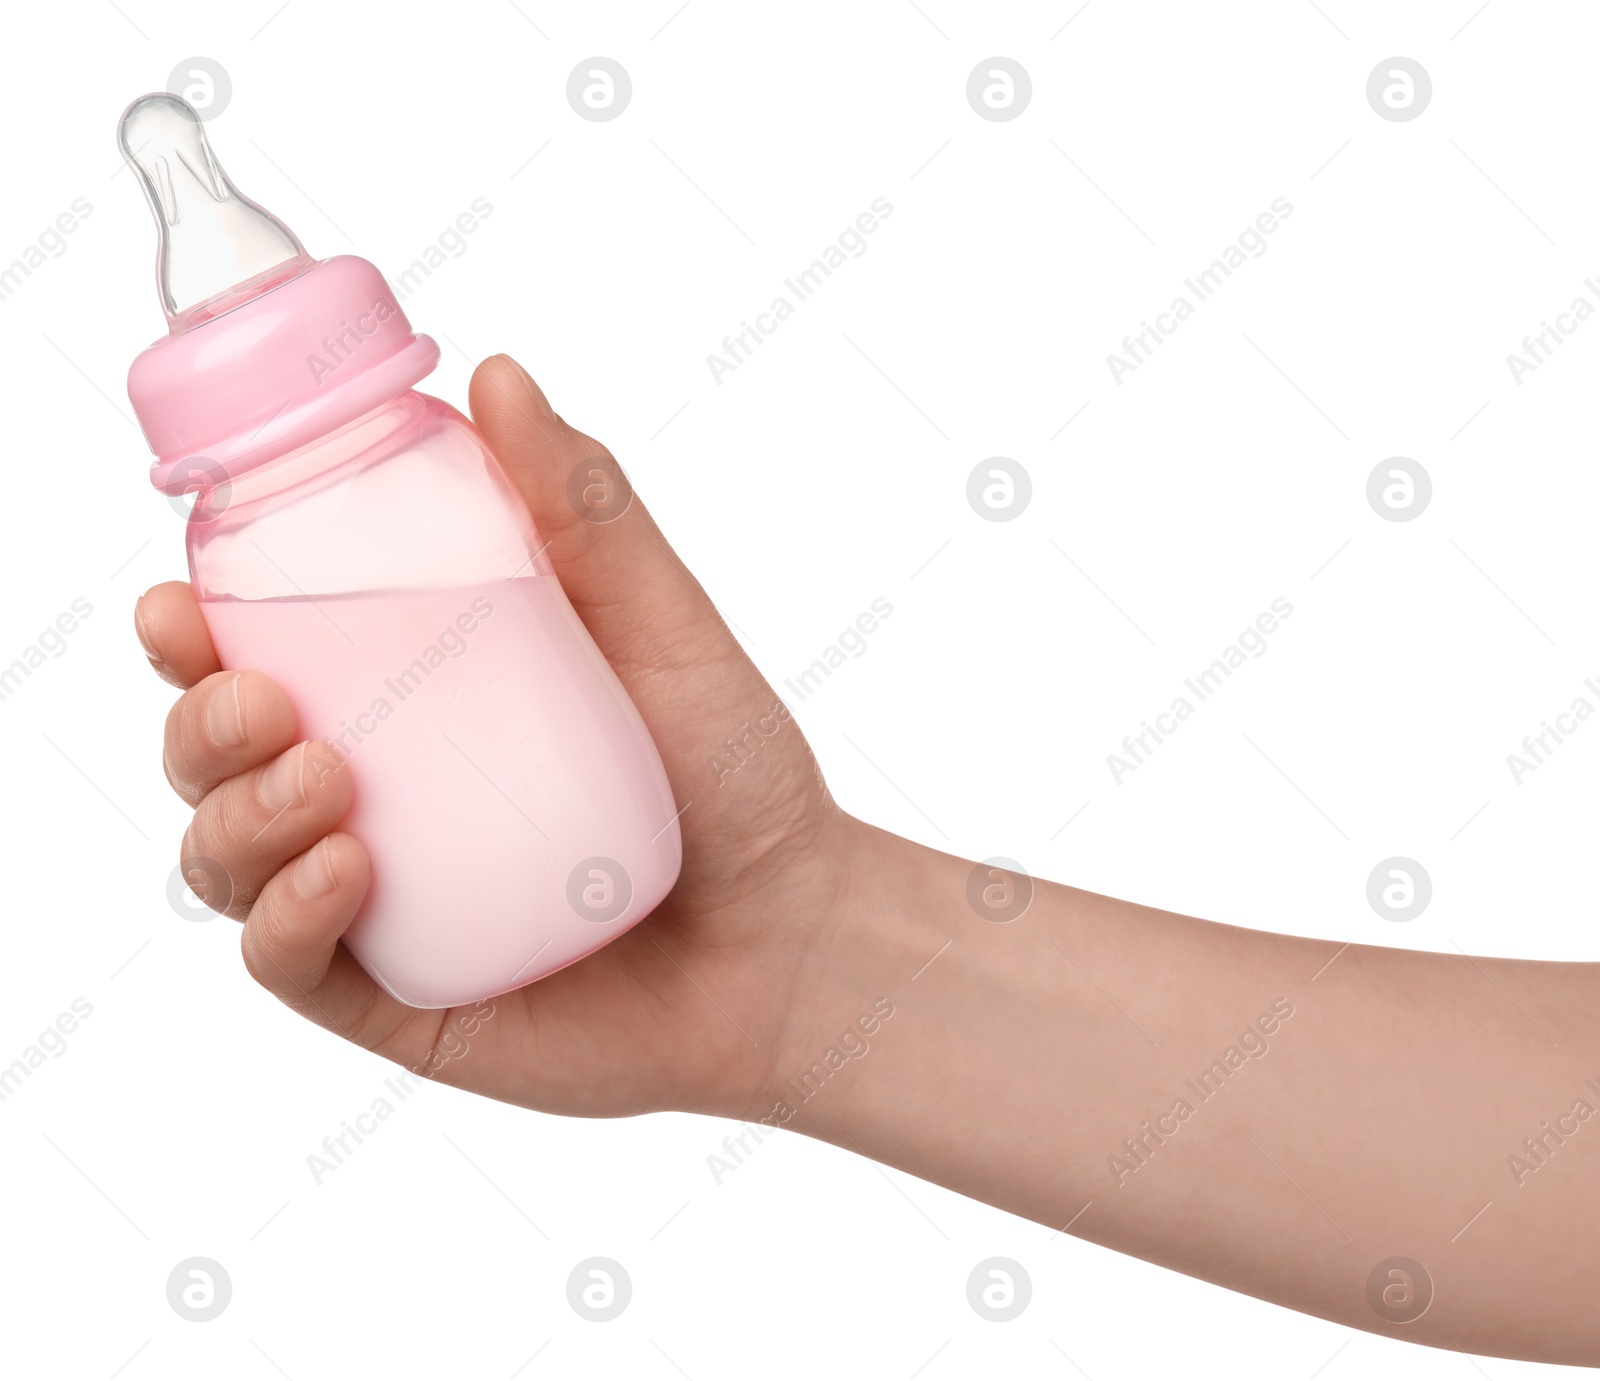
[[513, 804]]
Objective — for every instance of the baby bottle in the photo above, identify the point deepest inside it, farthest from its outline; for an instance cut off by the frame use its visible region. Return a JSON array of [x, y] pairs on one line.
[[357, 541]]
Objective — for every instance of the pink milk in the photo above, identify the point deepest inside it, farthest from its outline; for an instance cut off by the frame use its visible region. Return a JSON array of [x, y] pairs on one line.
[[506, 788]]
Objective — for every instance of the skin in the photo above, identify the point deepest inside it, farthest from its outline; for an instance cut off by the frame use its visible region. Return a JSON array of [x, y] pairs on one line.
[[1365, 1105]]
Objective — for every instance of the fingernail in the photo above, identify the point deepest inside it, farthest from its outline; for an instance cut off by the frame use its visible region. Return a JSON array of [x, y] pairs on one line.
[[225, 716], [282, 782], [142, 631], [313, 874], [323, 759]]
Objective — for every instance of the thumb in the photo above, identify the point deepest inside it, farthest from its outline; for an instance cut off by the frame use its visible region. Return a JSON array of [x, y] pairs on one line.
[[638, 600]]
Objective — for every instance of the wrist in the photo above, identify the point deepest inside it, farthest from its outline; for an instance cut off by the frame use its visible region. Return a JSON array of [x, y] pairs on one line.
[[892, 923], [987, 1015]]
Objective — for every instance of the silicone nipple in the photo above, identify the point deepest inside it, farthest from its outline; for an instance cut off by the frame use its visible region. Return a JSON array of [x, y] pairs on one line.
[[215, 248]]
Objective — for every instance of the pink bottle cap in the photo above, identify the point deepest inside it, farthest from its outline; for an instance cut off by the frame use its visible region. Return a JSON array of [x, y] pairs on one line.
[[268, 349]]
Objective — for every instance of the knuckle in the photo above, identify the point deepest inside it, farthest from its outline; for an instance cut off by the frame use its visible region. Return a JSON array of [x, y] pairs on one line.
[[191, 756], [173, 765], [264, 939], [255, 963], [209, 840]]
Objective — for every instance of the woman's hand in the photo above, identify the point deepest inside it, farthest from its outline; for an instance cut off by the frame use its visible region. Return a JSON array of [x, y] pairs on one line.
[[1389, 1138], [695, 1007]]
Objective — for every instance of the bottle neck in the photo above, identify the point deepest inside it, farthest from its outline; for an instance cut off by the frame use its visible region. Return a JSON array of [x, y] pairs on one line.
[[315, 463]]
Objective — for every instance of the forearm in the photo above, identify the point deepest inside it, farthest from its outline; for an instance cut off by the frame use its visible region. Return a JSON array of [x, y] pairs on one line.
[[1277, 1115]]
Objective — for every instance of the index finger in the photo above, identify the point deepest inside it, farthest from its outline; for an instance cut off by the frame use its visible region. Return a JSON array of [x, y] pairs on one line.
[[174, 635]]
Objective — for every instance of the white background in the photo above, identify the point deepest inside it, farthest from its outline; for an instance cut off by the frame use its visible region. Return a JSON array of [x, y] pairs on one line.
[[830, 470]]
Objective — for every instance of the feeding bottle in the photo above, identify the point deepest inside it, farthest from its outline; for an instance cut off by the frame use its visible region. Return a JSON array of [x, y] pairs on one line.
[[357, 541]]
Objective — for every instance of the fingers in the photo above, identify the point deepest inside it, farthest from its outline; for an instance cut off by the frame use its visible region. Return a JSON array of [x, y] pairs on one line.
[[638, 600], [291, 938], [252, 824], [174, 635], [291, 947], [228, 723]]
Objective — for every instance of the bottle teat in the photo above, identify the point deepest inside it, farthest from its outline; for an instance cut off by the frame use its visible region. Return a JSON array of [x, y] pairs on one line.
[[267, 349], [215, 248]]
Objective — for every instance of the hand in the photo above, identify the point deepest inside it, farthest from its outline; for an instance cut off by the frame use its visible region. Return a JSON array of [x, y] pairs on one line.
[[692, 1008], [1094, 1065]]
